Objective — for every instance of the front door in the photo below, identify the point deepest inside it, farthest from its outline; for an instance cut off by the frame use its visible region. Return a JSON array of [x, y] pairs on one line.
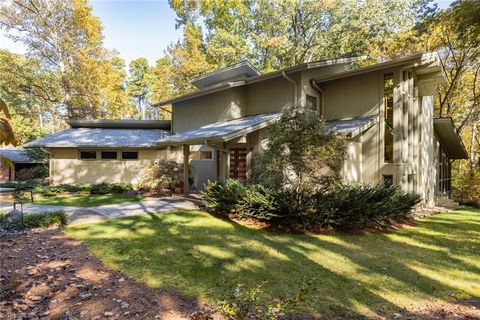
[[238, 163]]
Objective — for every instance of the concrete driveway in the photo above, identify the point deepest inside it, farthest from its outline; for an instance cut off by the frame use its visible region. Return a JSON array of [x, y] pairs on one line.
[[90, 214]]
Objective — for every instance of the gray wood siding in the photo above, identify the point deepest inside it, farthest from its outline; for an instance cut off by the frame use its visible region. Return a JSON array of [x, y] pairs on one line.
[[353, 97], [270, 95], [220, 106]]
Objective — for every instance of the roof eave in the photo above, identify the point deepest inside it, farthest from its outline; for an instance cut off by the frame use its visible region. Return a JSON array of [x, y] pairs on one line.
[[76, 146], [261, 77], [457, 151], [374, 67], [218, 138]]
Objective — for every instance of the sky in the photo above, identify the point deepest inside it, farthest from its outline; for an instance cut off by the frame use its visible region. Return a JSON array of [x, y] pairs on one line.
[[136, 28]]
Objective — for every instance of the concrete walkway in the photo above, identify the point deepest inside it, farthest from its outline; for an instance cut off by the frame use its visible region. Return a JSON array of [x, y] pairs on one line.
[[90, 214]]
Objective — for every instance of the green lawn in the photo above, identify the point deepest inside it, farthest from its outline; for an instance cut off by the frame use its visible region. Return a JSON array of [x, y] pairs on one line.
[[375, 274], [84, 199]]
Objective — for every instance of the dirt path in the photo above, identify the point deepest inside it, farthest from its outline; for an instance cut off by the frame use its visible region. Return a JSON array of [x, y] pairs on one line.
[[45, 274]]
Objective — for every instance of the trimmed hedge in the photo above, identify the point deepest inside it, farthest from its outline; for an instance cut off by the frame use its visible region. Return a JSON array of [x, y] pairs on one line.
[[348, 206], [106, 188], [101, 188]]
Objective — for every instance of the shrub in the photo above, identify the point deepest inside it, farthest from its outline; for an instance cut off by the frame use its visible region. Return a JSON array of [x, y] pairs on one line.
[[258, 202], [40, 220], [358, 206], [347, 206], [37, 172], [161, 174], [223, 196], [106, 188], [301, 155], [43, 220], [253, 303], [246, 200], [9, 185], [74, 187]]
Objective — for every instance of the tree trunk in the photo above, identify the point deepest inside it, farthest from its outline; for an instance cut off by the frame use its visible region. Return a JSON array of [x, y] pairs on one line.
[[472, 148]]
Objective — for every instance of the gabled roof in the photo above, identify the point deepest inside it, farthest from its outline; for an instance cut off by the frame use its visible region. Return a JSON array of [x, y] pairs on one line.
[[448, 135], [221, 131], [261, 77], [17, 155], [100, 137]]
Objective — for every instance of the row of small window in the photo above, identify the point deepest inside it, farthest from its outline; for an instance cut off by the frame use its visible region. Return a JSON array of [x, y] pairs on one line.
[[108, 155]]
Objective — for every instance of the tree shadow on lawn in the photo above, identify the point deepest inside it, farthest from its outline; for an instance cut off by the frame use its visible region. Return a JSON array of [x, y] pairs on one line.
[[373, 274]]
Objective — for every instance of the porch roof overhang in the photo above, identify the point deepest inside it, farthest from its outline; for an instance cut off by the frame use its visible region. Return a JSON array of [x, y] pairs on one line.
[[351, 127], [16, 155], [233, 129], [221, 131], [448, 135]]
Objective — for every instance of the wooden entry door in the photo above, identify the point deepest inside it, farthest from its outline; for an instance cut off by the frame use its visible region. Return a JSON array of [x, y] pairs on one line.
[[238, 163]]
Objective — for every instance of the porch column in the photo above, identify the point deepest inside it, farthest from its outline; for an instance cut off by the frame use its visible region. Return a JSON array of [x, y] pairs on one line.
[[223, 163], [186, 155]]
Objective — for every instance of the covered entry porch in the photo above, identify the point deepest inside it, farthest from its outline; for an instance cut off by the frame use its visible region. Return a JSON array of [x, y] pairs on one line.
[[219, 150]]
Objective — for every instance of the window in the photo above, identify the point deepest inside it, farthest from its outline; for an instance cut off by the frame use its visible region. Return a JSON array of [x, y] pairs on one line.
[[129, 155], [201, 155], [206, 155], [109, 155], [311, 103], [388, 117], [88, 155], [388, 179]]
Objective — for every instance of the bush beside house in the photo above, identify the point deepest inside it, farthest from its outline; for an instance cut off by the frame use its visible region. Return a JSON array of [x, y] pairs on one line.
[[346, 207], [296, 183]]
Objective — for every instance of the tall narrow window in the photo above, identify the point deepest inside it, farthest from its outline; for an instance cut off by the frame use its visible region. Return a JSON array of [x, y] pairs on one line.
[[388, 116]]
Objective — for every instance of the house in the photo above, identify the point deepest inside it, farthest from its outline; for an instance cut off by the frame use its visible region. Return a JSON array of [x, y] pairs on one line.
[[95, 151], [385, 109], [13, 160]]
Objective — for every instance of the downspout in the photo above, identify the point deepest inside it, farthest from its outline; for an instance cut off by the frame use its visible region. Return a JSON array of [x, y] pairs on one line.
[[294, 87], [317, 87]]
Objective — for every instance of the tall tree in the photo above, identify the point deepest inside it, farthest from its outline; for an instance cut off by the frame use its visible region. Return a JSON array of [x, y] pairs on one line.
[[139, 84], [162, 87], [66, 40], [188, 58], [279, 33]]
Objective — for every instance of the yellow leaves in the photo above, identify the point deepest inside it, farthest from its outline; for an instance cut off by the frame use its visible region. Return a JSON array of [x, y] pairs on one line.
[[6, 132], [4, 109]]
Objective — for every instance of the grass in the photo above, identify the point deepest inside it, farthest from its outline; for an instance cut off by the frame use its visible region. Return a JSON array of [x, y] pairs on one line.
[[84, 199], [374, 274]]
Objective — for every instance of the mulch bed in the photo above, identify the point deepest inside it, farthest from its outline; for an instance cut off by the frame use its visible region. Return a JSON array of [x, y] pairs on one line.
[[47, 275], [44, 274]]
